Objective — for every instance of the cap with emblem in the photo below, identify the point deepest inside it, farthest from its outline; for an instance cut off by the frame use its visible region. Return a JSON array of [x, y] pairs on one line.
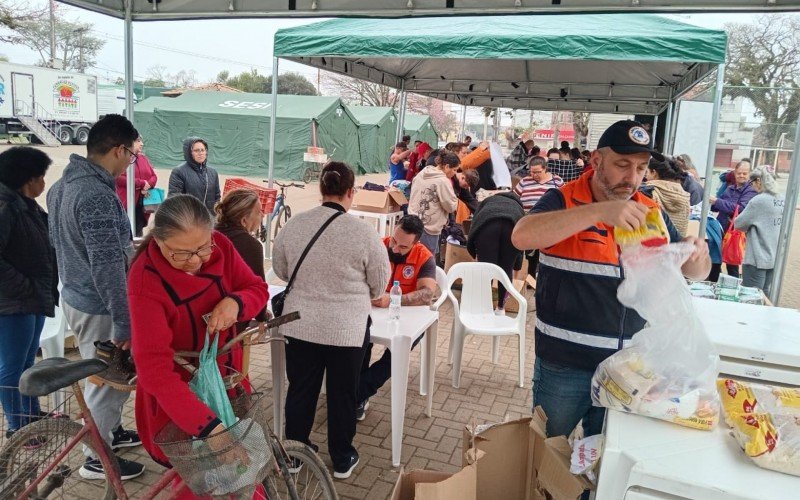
[[628, 137]]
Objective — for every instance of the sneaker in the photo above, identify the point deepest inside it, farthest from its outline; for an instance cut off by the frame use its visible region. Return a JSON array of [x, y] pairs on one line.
[[344, 472], [32, 444], [121, 372], [295, 464], [499, 312], [93, 469], [361, 410], [124, 439]]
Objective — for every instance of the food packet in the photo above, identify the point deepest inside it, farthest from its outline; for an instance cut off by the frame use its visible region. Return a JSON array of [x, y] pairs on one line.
[[585, 455], [652, 233]]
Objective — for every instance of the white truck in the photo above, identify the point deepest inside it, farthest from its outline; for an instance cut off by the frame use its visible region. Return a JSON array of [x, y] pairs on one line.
[[53, 106]]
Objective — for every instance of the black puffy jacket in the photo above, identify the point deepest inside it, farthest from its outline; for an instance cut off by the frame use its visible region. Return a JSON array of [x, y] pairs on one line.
[[28, 272]]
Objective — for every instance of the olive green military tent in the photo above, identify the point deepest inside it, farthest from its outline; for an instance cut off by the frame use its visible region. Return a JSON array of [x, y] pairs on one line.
[[236, 127], [420, 128], [377, 131]]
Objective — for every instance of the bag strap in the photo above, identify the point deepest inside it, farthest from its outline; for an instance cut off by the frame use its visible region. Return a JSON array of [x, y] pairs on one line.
[[308, 248]]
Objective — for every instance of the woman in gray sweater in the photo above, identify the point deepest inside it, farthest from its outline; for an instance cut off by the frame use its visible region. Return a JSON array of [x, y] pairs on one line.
[[761, 220], [344, 270]]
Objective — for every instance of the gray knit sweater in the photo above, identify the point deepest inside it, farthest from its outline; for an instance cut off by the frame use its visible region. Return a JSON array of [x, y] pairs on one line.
[[346, 268], [761, 221]]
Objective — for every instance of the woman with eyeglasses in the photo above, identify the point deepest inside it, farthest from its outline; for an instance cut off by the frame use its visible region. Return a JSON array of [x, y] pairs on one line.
[[195, 177], [144, 179], [183, 271]]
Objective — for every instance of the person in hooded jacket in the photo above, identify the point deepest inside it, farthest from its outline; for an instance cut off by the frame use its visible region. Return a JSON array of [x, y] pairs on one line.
[[490, 236], [195, 177], [433, 199], [28, 277], [664, 187]]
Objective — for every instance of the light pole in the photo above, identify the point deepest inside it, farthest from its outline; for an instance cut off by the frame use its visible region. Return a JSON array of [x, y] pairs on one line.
[[80, 32]]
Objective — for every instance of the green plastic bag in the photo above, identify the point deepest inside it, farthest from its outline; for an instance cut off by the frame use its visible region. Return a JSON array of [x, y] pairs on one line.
[[207, 383]]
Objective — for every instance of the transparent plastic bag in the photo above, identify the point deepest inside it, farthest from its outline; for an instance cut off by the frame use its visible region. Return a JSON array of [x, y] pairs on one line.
[[669, 370]]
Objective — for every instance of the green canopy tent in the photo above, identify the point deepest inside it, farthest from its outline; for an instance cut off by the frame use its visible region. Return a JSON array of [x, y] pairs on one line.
[[143, 116], [377, 126], [420, 128], [236, 126]]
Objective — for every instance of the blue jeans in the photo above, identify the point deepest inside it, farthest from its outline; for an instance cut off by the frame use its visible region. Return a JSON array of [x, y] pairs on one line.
[[564, 394], [19, 341]]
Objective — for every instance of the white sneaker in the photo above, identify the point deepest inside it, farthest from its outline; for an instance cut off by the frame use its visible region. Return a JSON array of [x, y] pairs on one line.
[[499, 312]]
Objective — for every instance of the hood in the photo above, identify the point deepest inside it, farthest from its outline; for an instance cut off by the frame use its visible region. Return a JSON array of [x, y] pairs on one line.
[[667, 186], [423, 148], [432, 172], [81, 168], [187, 151], [511, 196], [11, 197]]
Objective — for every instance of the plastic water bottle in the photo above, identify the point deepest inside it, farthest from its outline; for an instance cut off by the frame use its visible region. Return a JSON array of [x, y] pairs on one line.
[[395, 297]]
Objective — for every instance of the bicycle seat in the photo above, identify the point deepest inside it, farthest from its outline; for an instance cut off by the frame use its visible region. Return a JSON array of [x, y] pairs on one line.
[[51, 374]]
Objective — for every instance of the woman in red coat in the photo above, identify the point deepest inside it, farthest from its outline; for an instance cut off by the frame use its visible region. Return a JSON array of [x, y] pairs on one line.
[[184, 270], [145, 179]]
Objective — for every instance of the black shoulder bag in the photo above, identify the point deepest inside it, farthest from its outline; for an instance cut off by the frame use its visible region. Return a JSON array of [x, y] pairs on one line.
[[280, 298]]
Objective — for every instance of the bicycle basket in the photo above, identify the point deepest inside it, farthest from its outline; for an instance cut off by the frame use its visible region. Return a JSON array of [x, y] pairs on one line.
[[206, 464], [266, 196]]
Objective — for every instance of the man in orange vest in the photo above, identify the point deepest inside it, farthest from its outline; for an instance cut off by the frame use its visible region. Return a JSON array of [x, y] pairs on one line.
[[414, 267], [579, 320]]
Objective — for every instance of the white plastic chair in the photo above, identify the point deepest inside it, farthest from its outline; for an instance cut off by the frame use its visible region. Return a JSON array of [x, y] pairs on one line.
[[441, 282], [52, 339], [475, 314]]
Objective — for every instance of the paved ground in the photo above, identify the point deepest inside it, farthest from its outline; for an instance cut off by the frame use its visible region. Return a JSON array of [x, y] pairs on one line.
[[488, 392]]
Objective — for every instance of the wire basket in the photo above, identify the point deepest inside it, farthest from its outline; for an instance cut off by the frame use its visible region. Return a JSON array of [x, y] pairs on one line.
[[214, 465], [57, 405], [266, 196]]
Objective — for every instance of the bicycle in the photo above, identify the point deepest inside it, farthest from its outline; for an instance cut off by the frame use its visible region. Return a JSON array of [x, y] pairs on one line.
[[282, 211], [42, 459]]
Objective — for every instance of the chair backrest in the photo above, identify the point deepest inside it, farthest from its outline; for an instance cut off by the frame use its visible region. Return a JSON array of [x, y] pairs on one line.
[[55, 326], [443, 284], [476, 285]]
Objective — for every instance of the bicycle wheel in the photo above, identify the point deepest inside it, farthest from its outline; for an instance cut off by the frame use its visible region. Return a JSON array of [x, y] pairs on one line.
[[32, 449], [312, 481], [279, 221]]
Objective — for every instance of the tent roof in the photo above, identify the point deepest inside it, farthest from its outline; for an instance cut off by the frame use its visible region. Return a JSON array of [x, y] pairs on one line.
[[245, 103], [416, 122], [593, 62], [370, 115], [199, 9], [151, 103]]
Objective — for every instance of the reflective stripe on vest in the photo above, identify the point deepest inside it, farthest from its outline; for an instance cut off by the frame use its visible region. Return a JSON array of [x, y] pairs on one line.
[[580, 338], [579, 266]]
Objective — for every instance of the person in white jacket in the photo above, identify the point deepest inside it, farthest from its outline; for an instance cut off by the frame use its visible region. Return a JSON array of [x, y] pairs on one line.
[[433, 198]]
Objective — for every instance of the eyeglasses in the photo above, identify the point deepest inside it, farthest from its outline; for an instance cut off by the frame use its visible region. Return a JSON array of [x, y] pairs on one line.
[[185, 255], [199, 151], [134, 156]]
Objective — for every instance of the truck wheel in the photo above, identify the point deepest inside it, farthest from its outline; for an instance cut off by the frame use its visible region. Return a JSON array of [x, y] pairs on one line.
[[65, 134], [81, 136]]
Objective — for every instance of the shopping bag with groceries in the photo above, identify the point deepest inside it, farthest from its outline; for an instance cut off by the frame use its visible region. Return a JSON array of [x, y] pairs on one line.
[[669, 370]]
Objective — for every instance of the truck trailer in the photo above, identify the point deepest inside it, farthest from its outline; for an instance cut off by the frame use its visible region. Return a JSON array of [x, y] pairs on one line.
[[51, 105]]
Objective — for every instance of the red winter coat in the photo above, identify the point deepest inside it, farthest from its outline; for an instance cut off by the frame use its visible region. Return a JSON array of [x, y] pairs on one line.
[[166, 307], [143, 171]]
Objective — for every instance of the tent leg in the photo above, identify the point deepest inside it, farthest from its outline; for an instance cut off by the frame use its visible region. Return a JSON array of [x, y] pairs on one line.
[[655, 131], [271, 160], [667, 130], [401, 121], [463, 123], [130, 189], [712, 149], [789, 207]]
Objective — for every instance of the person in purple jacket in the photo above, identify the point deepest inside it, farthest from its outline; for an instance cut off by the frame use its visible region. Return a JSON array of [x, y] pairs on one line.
[[736, 195]]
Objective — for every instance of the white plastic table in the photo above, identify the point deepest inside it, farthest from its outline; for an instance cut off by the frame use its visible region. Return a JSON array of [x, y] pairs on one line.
[[645, 458], [382, 219], [414, 322]]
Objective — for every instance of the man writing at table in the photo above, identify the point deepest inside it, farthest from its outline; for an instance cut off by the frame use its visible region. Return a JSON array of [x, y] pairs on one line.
[[413, 265]]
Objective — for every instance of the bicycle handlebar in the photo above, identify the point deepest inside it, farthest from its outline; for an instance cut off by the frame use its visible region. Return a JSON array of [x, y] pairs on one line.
[[291, 184]]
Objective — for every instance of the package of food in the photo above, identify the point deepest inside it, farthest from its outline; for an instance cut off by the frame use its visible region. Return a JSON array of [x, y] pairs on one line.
[[765, 421], [585, 456], [702, 289], [670, 368], [728, 288], [652, 233]]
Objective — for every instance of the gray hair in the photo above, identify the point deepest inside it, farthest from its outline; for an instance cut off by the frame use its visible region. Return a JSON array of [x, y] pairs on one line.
[[768, 183], [177, 214]]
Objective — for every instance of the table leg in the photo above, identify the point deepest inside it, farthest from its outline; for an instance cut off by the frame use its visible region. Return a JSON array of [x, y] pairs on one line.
[[430, 361], [382, 223], [401, 352], [278, 350], [423, 367]]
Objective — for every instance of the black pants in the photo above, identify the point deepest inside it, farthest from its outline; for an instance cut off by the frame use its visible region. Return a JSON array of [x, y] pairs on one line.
[[716, 270], [373, 377], [306, 362], [533, 262], [493, 244]]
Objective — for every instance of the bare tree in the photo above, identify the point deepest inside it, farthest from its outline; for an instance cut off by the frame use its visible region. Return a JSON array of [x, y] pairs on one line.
[[185, 78], [355, 91], [13, 14], [580, 123], [75, 47], [157, 76]]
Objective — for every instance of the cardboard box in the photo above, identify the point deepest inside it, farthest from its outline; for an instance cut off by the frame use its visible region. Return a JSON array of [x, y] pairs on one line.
[[455, 254], [382, 202], [511, 304], [432, 485], [521, 463]]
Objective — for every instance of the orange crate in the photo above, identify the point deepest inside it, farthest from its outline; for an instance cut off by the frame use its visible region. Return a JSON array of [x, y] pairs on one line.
[[265, 195]]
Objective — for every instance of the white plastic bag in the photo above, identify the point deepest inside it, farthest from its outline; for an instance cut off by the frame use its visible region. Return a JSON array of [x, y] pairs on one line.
[[585, 456], [669, 370]]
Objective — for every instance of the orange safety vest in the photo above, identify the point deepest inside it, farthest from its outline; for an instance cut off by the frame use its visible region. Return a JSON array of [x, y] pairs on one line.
[[579, 321], [407, 272]]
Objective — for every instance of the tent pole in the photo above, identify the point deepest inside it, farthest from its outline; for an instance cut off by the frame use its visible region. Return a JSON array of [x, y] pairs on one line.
[[131, 176], [655, 131], [401, 114], [273, 116], [712, 149], [667, 130], [463, 123], [789, 207]]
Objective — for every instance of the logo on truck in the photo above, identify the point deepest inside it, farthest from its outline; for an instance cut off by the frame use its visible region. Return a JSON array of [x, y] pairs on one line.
[[65, 97], [2, 90]]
